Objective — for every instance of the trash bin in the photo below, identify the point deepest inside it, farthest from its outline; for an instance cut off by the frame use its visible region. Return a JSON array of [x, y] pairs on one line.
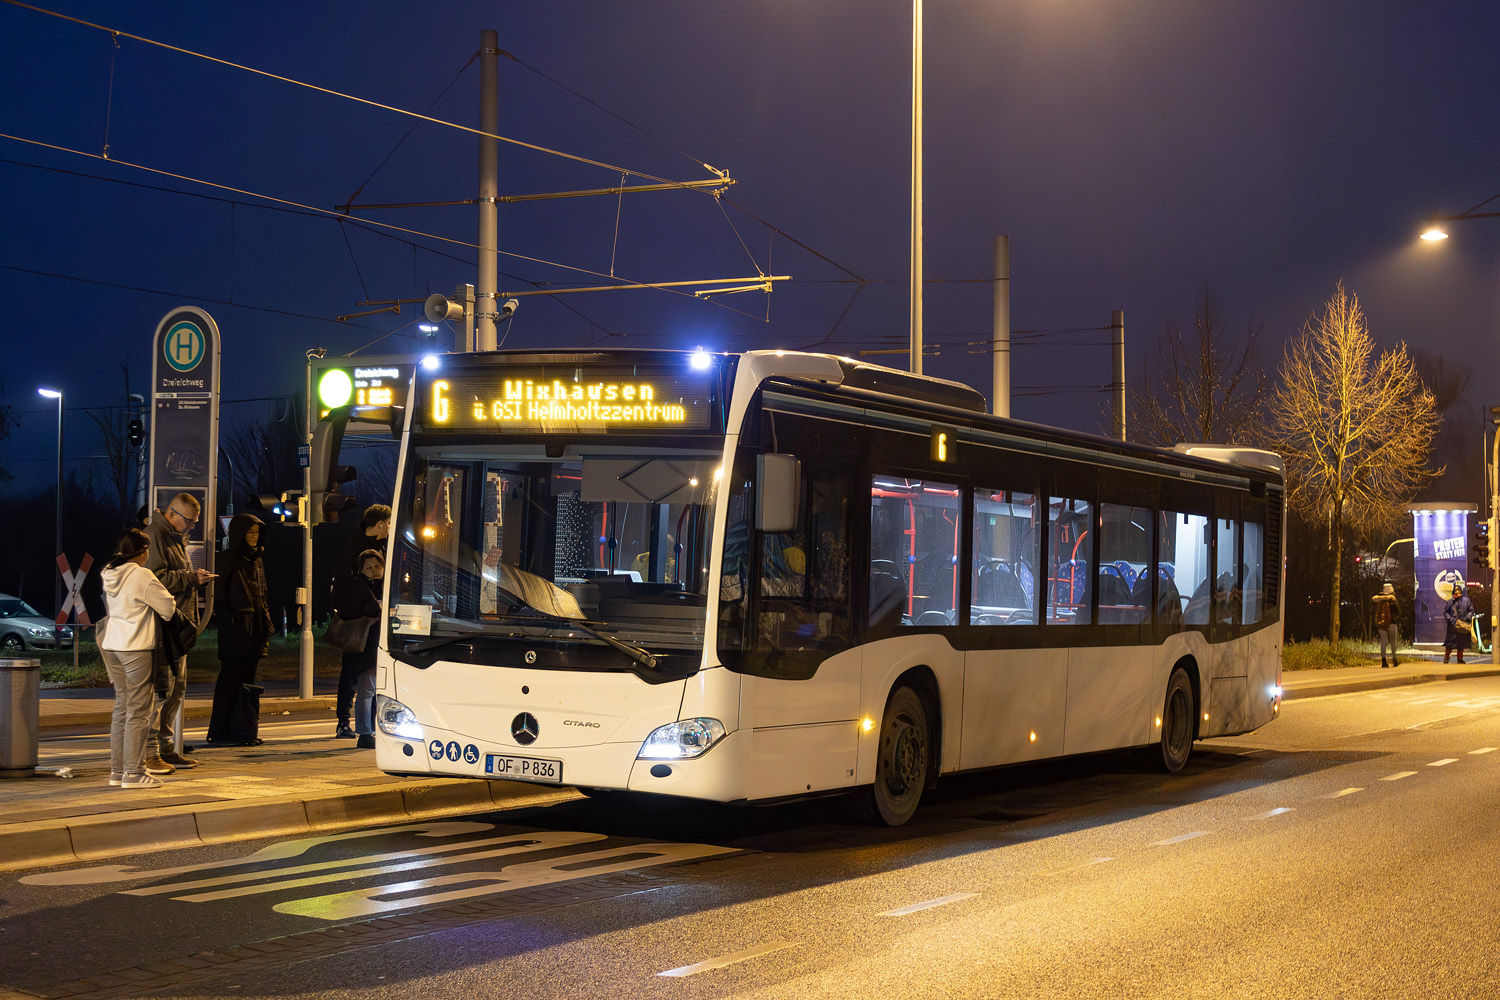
[[20, 710]]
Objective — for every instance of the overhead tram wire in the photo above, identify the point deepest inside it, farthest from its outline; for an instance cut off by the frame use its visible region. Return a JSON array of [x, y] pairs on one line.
[[117, 33], [326, 213]]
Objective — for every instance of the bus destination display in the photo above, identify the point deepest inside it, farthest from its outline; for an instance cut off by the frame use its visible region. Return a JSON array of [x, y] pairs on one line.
[[600, 400]]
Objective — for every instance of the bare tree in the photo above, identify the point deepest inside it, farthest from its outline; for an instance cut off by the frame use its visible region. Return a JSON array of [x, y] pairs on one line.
[[119, 451], [1354, 428], [1210, 386], [264, 453], [7, 424]]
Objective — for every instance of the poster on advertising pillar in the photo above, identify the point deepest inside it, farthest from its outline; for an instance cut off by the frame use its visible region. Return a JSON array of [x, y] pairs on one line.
[[185, 426], [1440, 534]]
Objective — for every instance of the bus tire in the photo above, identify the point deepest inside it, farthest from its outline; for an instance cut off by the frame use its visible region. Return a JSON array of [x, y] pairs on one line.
[[1177, 714], [902, 758]]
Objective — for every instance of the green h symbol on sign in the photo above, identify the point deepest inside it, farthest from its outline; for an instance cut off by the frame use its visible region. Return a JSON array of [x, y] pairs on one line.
[[184, 346]]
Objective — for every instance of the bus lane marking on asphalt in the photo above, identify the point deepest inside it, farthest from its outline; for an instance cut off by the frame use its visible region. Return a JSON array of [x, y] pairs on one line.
[[929, 904], [1483, 750], [1274, 812], [1444, 762], [1398, 775], [1342, 792], [516, 844], [710, 964], [275, 852], [1077, 868], [375, 900], [1179, 839]]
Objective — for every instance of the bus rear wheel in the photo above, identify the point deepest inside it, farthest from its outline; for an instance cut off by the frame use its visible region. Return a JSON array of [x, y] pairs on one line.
[[1177, 716], [902, 758]]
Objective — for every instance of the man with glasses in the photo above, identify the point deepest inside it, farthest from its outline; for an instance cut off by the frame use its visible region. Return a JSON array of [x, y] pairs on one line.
[[168, 560]]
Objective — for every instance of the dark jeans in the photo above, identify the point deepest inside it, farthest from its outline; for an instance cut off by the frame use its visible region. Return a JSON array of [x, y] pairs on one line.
[[352, 665], [233, 674]]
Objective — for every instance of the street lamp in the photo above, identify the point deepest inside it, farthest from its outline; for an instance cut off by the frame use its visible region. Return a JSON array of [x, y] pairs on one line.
[[1435, 232], [57, 395]]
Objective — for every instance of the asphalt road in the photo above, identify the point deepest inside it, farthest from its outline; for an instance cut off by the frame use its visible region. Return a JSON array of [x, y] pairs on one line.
[[1347, 850]]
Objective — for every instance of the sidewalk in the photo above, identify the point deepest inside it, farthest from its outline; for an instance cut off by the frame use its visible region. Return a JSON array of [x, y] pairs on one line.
[[302, 781]]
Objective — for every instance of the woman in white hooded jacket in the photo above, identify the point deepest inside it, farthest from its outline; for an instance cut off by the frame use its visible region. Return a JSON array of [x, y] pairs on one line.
[[135, 599]]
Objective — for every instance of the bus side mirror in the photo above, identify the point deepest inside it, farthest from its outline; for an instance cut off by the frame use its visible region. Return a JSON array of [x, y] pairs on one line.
[[778, 488]]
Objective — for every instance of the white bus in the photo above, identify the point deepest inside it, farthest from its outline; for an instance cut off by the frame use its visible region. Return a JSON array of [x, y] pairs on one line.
[[744, 578]]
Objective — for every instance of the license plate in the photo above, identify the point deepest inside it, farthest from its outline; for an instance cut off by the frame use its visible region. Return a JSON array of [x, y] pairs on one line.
[[523, 768]]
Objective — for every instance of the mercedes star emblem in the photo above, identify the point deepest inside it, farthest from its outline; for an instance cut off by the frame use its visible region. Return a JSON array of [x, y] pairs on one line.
[[524, 729]]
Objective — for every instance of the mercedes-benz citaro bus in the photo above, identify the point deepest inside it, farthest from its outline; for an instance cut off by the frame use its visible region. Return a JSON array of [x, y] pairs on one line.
[[763, 576]]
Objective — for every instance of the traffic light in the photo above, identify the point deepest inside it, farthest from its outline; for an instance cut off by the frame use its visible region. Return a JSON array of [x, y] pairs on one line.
[[281, 508], [1482, 544], [137, 431], [327, 474]]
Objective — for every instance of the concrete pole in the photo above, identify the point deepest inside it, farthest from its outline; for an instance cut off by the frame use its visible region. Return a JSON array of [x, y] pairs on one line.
[[1000, 350], [1117, 384], [304, 593], [916, 188], [489, 190]]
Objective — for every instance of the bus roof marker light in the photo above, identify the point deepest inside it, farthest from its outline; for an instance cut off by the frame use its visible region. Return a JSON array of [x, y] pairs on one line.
[[431, 362], [700, 359]]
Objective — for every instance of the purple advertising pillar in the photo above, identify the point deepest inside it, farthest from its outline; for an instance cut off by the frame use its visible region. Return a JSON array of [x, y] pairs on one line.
[[1441, 560]]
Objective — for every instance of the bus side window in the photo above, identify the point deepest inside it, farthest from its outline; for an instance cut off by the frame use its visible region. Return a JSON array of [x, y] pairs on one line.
[[1253, 573], [1006, 553], [1072, 546]]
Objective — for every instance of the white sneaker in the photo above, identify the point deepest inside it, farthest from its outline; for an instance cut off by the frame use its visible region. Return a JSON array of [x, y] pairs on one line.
[[115, 777], [142, 780]]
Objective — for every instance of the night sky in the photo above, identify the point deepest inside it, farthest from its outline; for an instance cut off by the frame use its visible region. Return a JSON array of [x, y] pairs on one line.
[[1136, 153]]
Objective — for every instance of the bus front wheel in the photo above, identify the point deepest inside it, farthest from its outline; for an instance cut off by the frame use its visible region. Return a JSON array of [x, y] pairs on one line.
[[1177, 722], [902, 758]]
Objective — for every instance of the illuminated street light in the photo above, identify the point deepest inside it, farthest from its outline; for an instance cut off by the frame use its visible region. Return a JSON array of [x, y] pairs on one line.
[[1434, 232]]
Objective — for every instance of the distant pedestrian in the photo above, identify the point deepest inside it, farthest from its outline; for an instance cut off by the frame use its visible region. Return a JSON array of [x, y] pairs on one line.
[[1458, 613], [169, 561], [1384, 606], [135, 600], [244, 616], [357, 595], [374, 527]]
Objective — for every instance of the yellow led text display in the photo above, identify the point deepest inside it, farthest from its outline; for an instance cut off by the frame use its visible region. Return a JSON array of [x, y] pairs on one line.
[[521, 402]]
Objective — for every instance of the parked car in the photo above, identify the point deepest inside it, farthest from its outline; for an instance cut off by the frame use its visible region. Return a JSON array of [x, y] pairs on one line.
[[23, 630]]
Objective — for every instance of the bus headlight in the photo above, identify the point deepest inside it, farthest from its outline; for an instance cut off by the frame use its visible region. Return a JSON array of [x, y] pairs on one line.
[[682, 740], [395, 719]]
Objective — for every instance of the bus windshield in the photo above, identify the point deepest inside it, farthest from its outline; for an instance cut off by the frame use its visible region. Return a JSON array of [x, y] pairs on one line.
[[504, 542]]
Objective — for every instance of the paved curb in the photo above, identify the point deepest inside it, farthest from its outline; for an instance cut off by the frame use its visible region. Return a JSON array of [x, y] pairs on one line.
[[1314, 690], [90, 838], [268, 706]]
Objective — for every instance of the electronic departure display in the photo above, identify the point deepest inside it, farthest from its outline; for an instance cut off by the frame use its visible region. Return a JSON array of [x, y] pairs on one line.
[[587, 399]]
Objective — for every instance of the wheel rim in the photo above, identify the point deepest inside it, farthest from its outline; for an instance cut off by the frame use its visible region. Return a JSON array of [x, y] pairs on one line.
[[1177, 738], [12, 645], [906, 758]]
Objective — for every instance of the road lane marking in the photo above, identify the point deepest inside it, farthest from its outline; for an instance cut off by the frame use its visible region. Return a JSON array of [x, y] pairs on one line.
[[1483, 750], [1445, 760], [1398, 775], [275, 852], [364, 867], [375, 900], [929, 904], [1342, 792], [1275, 812], [1079, 868], [718, 963], [1180, 839]]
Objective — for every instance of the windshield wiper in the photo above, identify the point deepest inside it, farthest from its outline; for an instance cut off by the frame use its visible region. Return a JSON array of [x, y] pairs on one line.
[[636, 653], [422, 647]]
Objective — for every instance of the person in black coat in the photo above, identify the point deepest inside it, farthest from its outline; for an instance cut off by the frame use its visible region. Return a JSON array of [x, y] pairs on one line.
[[357, 595], [244, 617], [1457, 613], [374, 528]]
